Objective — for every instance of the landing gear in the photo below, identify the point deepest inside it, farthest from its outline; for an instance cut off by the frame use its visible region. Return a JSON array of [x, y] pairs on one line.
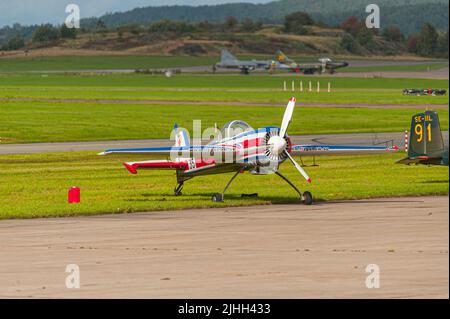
[[306, 197], [218, 197], [178, 189]]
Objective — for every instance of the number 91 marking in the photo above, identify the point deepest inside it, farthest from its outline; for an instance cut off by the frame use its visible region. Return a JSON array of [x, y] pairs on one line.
[[418, 129]]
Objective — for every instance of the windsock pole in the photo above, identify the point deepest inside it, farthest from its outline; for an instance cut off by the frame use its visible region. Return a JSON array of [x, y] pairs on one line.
[[301, 86], [284, 86], [293, 86]]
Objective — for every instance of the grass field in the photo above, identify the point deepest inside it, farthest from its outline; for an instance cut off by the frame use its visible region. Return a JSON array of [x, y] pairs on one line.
[[57, 122], [266, 96], [75, 63], [52, 113], [36, 185], [142, 81], [396, 68]]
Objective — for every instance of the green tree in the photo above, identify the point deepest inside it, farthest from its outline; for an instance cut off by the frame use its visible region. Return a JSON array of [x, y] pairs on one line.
[[365, 36], [428, 40], [15, 43], [349, 43], [247, 25], [67, 33], [296, 22], [100, 26], [231, 23], [45, 33], [443, 45]]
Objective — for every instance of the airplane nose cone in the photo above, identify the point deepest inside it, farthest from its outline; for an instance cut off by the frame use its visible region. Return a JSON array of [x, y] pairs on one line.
[[278, 144]]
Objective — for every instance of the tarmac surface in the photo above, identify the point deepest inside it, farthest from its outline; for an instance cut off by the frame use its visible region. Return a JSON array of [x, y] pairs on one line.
[[396, 138], [274, 251]]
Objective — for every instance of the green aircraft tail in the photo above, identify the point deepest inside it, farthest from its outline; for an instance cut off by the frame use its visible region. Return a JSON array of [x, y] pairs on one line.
[[425, 143]]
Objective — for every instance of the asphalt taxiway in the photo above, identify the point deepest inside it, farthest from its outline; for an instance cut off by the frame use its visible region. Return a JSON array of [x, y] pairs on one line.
[[275, 251]]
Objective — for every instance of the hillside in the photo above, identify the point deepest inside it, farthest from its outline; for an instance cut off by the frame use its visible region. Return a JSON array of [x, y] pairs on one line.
[[321, 41], [329, 12]]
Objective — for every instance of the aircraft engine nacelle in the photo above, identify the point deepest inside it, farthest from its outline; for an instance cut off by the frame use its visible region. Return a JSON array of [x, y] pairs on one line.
[[275, 148]]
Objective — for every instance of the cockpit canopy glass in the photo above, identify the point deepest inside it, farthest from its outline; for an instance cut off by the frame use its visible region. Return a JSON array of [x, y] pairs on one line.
[[234, 128]]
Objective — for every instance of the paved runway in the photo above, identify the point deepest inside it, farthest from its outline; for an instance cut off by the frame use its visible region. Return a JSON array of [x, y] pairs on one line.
[[343, 139], [291, 251]]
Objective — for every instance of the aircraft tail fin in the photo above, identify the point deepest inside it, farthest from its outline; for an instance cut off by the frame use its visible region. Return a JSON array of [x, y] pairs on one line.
[[181, 136], [425, 142], [226, 56], [281, 57]]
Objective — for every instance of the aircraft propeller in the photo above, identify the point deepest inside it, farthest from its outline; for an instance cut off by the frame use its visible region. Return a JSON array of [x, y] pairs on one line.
[[278, 143]]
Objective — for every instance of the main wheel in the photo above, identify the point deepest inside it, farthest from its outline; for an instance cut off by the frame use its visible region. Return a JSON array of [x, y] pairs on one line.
[[217, 198], [307, 198]]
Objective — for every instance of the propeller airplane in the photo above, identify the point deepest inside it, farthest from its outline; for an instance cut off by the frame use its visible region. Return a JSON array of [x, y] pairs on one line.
[[239, 148]]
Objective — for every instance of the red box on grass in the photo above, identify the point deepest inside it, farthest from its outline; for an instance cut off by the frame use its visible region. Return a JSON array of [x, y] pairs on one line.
[[74, 195]]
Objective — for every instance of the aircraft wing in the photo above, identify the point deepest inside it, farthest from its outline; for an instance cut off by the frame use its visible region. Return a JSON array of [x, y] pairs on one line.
[[167, 150], [340, 150], [151, 150]]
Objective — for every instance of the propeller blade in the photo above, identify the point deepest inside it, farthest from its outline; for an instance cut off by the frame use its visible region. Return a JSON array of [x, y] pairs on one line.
[[299, 168], [287, 117]]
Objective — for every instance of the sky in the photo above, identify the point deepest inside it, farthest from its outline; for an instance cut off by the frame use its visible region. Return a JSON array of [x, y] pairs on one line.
[[28, 12]]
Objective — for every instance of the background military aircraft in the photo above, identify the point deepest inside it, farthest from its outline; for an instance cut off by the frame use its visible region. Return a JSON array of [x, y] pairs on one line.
[[229, 61], [426, 145], [324, 65]]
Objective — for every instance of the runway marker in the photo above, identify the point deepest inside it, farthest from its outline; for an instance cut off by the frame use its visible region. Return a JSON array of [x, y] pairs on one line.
[[284, 86], [318, 87], [329, 87], [406, 141], [310, 86], [301, 86], [293, 86]]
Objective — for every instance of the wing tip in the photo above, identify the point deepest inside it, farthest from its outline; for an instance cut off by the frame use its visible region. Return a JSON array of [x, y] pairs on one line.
[[130, 168], [309, 180]]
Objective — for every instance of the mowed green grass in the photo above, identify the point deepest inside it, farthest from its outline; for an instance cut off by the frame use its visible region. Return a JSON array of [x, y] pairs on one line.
[[78, 63], [263, 96], [396, 68], [144, 81], [22, 122], [36, 185]]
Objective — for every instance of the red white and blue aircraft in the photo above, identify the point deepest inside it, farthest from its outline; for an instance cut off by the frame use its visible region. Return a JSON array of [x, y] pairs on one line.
[[238, 149]]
